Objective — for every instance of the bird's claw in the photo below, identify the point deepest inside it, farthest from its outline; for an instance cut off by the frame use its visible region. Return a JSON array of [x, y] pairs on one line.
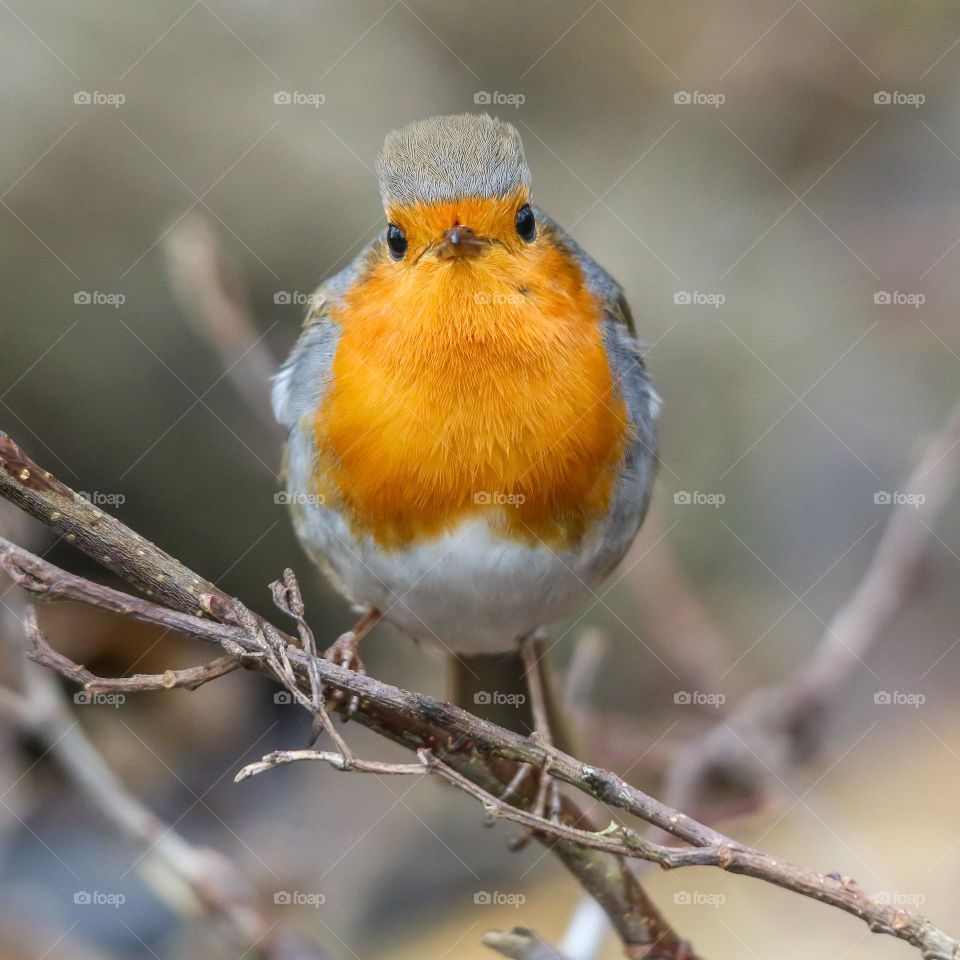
[[344, 652]]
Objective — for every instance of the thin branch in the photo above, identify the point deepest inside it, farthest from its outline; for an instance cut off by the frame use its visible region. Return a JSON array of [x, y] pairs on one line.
[[187, 598], [467, 745], [213, 299], [189, 678], [778, 726], [415, 720], [521, 944], [674, 618], [213, 881], [338, 761]]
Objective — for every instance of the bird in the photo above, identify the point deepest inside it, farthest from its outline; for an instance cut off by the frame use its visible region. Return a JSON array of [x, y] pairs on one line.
[[471, 439]]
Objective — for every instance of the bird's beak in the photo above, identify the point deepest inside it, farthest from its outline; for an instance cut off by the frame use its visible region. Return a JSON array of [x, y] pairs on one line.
[[459, 242]]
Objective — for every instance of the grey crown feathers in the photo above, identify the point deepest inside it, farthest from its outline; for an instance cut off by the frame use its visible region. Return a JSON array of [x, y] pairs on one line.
[[444, 158]]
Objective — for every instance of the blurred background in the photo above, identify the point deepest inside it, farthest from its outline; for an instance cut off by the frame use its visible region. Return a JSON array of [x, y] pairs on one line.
[[773, 183]]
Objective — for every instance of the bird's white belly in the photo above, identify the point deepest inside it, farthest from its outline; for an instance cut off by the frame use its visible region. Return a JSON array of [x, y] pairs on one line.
[[467, 591]]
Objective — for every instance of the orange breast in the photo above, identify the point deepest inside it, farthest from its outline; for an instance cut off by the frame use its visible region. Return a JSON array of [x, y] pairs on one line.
[[459, 386]]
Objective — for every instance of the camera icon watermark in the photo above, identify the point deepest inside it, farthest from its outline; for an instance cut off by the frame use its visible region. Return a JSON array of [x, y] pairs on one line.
[[297, 98], [697, 498], [899, 98], [101, 498], [298, 498], [97, 898], [898, 298], [697, 698], [698, 298], [488, 898], [296, 297], [485, 98], [94, 698], [498, 299], [99, 298], [298, 898], [86, 98], [897, 698], [699, 98], [698, 898], [899, 898], [496, 498], [498, 698], [899, 499]]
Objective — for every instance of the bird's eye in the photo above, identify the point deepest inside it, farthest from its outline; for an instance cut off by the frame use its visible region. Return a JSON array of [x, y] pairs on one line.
[[526, 223], [396, 241]]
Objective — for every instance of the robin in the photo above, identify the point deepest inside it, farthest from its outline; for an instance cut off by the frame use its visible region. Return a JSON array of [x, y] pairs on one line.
[[471, 426]]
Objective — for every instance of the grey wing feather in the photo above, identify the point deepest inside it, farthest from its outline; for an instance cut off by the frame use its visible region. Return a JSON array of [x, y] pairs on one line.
[[599, 282], [305, 376]]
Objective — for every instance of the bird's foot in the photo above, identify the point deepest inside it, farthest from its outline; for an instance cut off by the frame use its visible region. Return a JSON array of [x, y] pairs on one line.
[[345, 652]]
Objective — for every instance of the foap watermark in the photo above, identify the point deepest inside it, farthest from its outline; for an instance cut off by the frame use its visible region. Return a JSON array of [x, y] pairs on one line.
[[898, 698], [298, 898], [94, 98], [298, 98], [899, 898], [899, 98], [98, 898], [698, 298], [898, 499], [94, 698], [99, 298], [697, 698], [100, 498], [496, 498], [698, 98], [698, 898], [494, 898], [499, 299], [296, 297], [498, 698], [898, 298], [497, 98], [299, 498], [697, 498]]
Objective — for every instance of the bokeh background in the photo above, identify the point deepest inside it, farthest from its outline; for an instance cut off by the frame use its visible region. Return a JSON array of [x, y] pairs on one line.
[[773, 183]]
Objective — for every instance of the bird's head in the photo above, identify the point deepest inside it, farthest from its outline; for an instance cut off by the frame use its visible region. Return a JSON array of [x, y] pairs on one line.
[[456, 191]]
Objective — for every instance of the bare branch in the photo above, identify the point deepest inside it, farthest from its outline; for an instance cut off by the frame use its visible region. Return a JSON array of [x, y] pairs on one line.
[[521, 944], [190, 678], [466, 747], [213, 881], [213, 299], [779, 725]]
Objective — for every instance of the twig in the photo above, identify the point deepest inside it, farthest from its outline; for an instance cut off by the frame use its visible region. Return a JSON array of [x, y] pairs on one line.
[[521, 944], [414, 719], [468, 743], [674, 617], [213, 881], [406, 718], [584, 666], [212, 298], [784, 723], [280, 758], [190, 678]]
